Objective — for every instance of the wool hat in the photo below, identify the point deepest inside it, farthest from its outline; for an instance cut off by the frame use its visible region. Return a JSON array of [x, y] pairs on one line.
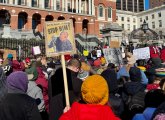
[[27, 60], [95, 90], [85, 66], [17, 81], [9, 56], [97, 63]]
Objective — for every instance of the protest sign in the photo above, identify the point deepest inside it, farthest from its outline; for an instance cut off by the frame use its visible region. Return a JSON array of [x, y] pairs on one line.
[[114, 44], [142, 53], [113, 55], [7, 51], [59, 38], [36, 50], [98, 53]]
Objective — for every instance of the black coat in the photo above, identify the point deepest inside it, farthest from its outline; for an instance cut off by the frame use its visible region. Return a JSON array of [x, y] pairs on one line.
[[57, 94], [16, 106]]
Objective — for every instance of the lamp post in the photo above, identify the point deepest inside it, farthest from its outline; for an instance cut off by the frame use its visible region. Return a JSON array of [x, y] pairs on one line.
[[85, 31], [144, 26]]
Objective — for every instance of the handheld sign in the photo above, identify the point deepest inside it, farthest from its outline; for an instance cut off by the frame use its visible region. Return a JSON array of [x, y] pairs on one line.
[[142, 53], [7, 51], [36, 50], [59, 40]]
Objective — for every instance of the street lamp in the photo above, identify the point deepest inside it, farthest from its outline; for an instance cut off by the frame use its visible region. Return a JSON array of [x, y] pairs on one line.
[[85, 31], [144, 26]]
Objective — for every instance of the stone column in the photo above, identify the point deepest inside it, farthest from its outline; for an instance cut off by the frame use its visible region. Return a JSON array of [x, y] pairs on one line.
[[10, 1], [126, 4], [85, 6], [76, 6], [54, 4], [29, 3], [72, 5], [89, 7], [66, 5], [93, 8], [42, 4], [16, 2], [63, 5], [79, 6], [133, 3], [121, 4], [137, 5]]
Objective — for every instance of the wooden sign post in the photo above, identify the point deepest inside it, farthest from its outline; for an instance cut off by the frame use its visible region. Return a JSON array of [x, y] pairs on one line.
[[65, 81]]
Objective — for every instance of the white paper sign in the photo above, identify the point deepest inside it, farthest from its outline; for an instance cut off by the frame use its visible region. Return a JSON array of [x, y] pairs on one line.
[[113, 55], [36, 50], [142, 53], [98, 53]]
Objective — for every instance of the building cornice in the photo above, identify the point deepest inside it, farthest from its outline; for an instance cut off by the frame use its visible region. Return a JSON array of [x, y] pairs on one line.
[[48, 10]]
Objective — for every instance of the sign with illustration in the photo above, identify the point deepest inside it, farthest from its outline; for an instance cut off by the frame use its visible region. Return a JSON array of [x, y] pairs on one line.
[[113, 55], [59, 38]]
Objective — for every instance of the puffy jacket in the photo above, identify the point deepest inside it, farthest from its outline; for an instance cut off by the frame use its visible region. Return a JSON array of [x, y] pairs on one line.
[[162, 55], [89, 112]]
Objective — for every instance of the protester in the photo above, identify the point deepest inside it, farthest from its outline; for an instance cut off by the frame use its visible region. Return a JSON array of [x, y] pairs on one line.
[[95, 95], [16, 104], [56, 88]]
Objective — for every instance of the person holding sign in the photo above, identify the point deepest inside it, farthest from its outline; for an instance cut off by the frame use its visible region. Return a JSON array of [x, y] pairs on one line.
[[56, 88], [61, 43]]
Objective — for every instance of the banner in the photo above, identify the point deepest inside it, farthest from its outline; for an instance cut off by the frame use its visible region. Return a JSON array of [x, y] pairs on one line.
[[142, 53], [113, 55], [114, 44], [59, 38]]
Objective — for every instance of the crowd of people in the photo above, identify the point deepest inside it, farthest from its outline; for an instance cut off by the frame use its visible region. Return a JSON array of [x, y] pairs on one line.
[[33, 88]]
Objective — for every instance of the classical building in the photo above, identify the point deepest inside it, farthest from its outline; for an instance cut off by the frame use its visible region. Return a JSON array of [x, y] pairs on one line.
[[130, 5], [88, 16], [131, 21], [156, 3]]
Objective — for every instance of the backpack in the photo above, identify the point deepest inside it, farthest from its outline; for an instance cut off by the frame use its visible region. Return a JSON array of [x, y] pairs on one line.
[[136, 102]]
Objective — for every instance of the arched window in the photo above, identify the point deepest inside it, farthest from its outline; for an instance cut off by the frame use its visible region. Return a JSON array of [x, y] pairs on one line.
[[101, 11], [109, 12]]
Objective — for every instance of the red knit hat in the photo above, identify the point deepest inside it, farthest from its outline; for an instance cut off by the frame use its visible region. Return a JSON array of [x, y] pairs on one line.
[[27, 60]]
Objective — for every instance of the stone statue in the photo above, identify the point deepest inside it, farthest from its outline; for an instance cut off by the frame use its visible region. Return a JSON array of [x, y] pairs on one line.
[[7, 16]]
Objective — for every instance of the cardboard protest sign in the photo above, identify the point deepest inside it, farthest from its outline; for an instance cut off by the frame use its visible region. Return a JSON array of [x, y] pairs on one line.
[[59, 38], [113, 55], [7, 51], [114, 44], [36, 50], [142, 53]]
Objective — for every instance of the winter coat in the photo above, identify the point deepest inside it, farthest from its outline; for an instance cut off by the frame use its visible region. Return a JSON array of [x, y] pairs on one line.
[[89, 112], [57, 94], [32, 70], [154, 52], [35, 92], [44, 84], [162, 55], [18, 106]]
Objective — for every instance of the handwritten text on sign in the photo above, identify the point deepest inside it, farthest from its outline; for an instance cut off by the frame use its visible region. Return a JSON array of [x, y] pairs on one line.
[[142, 53]]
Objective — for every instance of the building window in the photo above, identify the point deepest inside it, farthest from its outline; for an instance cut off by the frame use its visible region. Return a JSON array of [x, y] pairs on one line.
[[34, 3], [128, 19], [128, 25], [134, 27], [47, 3], [153, 24], [161, 34], [109, 12], [146, 17], [140, 19], [21, 2], [122, 25], [134, 20], [160, 23], [122, 18], [159, 14], [153, 16], [101, 11], [58, 5]]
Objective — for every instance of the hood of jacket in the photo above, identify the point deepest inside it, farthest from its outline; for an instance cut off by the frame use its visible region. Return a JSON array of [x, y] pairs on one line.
[[89, 112]]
